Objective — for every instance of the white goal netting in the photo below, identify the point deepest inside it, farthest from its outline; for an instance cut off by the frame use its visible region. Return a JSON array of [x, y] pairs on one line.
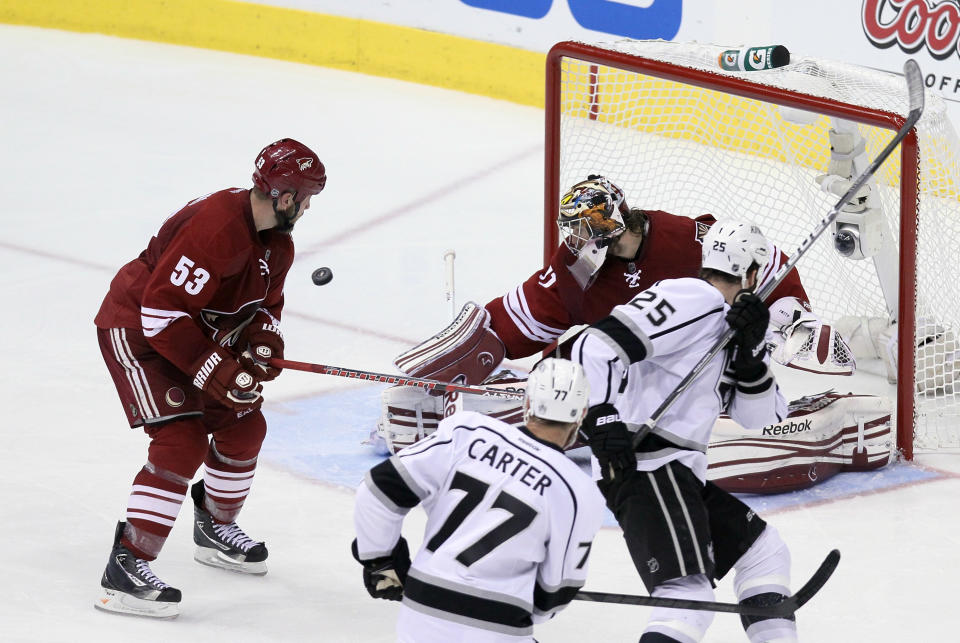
[[690, 139]]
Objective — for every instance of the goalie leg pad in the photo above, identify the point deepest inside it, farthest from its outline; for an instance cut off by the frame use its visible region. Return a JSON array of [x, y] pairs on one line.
[[466, 347], [822, 435], [409, 413], [502, 408]]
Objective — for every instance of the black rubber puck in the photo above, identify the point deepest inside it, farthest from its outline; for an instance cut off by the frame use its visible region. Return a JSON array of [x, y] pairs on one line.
[[322, 276]]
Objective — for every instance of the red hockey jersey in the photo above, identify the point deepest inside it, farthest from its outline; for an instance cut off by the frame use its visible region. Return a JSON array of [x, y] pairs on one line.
[[534, 314], [200, 279]]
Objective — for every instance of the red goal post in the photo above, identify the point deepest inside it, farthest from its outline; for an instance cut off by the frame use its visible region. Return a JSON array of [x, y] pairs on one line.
[[663, 121]]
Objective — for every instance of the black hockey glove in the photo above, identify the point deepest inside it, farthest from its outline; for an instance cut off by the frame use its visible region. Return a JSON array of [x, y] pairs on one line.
[[384, 577], [610, 440], [749, 318]]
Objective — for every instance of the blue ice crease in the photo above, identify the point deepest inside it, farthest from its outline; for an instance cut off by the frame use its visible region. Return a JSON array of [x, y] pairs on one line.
[[323, 438]]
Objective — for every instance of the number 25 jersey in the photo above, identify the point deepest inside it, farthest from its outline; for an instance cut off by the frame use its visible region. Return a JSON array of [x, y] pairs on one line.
[[636, 357], [510, 523]]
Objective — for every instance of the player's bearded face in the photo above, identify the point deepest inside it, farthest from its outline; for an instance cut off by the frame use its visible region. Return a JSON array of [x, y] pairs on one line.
[[287, 217]]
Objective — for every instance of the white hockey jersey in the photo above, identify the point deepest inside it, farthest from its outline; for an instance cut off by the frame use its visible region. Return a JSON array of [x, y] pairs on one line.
[[639, 354], [510, 524]]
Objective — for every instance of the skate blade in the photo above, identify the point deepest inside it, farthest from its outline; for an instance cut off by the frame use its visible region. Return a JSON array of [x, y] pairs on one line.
[[214, 558], [110, 600]]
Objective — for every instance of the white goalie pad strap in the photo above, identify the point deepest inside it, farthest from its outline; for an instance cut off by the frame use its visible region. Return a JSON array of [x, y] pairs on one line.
[[822, 435], [466, 347]]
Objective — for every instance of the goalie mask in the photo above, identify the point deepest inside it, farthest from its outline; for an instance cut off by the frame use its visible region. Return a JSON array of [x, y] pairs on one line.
[[590, 219], [733, 248]]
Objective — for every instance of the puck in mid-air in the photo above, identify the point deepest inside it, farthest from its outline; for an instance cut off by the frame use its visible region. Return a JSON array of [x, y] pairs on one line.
[[322, 276]]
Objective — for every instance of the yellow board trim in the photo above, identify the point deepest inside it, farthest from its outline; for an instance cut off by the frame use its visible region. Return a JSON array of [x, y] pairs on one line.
[[354, 45]]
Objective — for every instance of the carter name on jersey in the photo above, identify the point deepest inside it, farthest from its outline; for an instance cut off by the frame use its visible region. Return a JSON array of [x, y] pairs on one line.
[[502, 459]]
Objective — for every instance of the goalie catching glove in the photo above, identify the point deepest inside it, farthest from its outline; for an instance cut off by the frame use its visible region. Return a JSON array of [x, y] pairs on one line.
[[261, 340], [801, 340], [384, 576]]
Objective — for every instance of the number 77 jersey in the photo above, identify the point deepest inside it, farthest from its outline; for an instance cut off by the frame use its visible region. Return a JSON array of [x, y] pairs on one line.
[[510, 525]]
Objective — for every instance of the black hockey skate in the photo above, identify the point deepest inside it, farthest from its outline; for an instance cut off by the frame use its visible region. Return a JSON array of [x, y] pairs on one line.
[[224, 545], [131, 587]]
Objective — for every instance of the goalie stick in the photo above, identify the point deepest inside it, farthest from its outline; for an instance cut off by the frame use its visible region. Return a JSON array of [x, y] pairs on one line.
[[781, 610], [402, 380], [915, 89]]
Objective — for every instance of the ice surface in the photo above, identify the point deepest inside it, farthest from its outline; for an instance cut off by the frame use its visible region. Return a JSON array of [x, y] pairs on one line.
[[103, 138]]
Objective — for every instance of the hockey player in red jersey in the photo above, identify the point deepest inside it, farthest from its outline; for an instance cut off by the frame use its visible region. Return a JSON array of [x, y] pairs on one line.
[[186, 330], [610, 253]]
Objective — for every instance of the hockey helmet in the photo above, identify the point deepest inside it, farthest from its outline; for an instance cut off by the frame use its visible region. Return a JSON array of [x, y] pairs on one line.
[[591, 210], [557, 390], [289, 166], [733, 247]]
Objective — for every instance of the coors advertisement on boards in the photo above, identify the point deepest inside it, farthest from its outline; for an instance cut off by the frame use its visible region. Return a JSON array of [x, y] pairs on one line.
[[924, 28]]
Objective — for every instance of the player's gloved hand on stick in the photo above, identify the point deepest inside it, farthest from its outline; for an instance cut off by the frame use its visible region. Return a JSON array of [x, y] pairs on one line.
[[260, 341], [222, 377], [384, 577], [749, 318], [609, 439]]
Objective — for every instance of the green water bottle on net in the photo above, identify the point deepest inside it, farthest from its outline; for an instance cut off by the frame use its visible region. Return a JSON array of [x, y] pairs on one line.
[[754, 58]]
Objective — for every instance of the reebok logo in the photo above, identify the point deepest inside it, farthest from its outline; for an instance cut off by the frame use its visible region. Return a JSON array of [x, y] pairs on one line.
[[787, 428], [201, 377]]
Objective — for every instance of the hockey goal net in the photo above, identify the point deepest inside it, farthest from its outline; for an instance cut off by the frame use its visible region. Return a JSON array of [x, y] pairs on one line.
[[664, 122]]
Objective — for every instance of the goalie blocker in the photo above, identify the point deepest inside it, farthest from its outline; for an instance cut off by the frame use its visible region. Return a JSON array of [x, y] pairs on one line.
[[466, 348]]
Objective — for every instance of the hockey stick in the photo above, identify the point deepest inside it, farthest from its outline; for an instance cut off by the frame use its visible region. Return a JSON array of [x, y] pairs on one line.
[[915, 89], [780, 610], [401, 380]]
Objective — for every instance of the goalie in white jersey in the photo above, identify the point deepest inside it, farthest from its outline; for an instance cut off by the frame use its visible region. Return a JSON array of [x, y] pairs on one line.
[[682, 531], [511, 519]]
